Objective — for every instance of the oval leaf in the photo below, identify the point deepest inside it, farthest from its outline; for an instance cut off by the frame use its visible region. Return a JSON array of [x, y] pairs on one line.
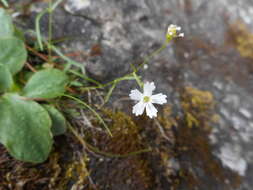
[[25, 128], [48, 83], [13, 53], [58, 120], [6, 29], [5, 78]]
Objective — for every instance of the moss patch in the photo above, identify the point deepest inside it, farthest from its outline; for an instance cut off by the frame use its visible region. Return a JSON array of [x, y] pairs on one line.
[[111, 171]]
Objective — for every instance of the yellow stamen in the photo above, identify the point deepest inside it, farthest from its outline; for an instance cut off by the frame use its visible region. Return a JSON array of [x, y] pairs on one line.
[[146, 99]]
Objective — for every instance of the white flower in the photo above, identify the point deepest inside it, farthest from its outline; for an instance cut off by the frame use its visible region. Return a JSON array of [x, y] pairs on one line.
[[146, 100], [174, 32]]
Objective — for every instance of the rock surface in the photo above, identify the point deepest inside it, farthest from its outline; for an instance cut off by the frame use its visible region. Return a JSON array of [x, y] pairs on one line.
[[114, 34]]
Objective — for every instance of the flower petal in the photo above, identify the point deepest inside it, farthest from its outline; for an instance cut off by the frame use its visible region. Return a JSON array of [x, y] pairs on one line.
[[151, 110], [135, 95], [149, 87], [138, 109], [181, 35], [158, 98]]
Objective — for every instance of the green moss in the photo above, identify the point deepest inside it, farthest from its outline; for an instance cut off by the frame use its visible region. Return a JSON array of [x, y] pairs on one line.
[[131, 169], [125, 134]]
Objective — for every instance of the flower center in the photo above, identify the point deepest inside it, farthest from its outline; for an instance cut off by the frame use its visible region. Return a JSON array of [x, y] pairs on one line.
[[173, 31], [146, 99]]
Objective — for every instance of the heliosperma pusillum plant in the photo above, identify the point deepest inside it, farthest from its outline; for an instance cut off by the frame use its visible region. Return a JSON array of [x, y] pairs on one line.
[[146, 99], [26, 126]]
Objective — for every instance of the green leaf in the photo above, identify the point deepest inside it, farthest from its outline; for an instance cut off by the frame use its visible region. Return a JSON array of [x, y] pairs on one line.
[[6, 29], [6, 80], [48, 83], [25, 128], [59, 126], [12, 53]]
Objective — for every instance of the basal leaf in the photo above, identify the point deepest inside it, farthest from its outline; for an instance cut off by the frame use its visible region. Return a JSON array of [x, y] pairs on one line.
[[25, 128], [12, 53], [58, 120], [6, 80], [6, 29], [49, 83]]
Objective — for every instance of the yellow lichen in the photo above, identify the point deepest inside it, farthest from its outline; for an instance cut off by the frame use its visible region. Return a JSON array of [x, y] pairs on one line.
[[197, 105], [192, 139], [242, 39]]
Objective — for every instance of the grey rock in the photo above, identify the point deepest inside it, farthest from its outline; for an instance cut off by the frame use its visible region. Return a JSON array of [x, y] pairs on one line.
[[127, 30]]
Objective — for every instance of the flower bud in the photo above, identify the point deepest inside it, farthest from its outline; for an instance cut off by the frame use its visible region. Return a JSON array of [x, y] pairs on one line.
[[173, 32]]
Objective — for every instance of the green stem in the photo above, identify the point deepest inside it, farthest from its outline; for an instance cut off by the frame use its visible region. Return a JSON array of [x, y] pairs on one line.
[[147, 58], [91, 109], [70, 61], [50, 30], [138, 80], [126, 77], [51, 8], [84, 77], [37, 28], [5, 3]]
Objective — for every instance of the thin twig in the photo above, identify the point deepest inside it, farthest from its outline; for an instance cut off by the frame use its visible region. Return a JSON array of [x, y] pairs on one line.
[[162, 130], [30, 67], [86, 121], [44, 57]]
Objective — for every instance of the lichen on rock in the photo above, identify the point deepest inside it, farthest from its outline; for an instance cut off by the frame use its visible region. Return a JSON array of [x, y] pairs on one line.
[[193, 148]]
